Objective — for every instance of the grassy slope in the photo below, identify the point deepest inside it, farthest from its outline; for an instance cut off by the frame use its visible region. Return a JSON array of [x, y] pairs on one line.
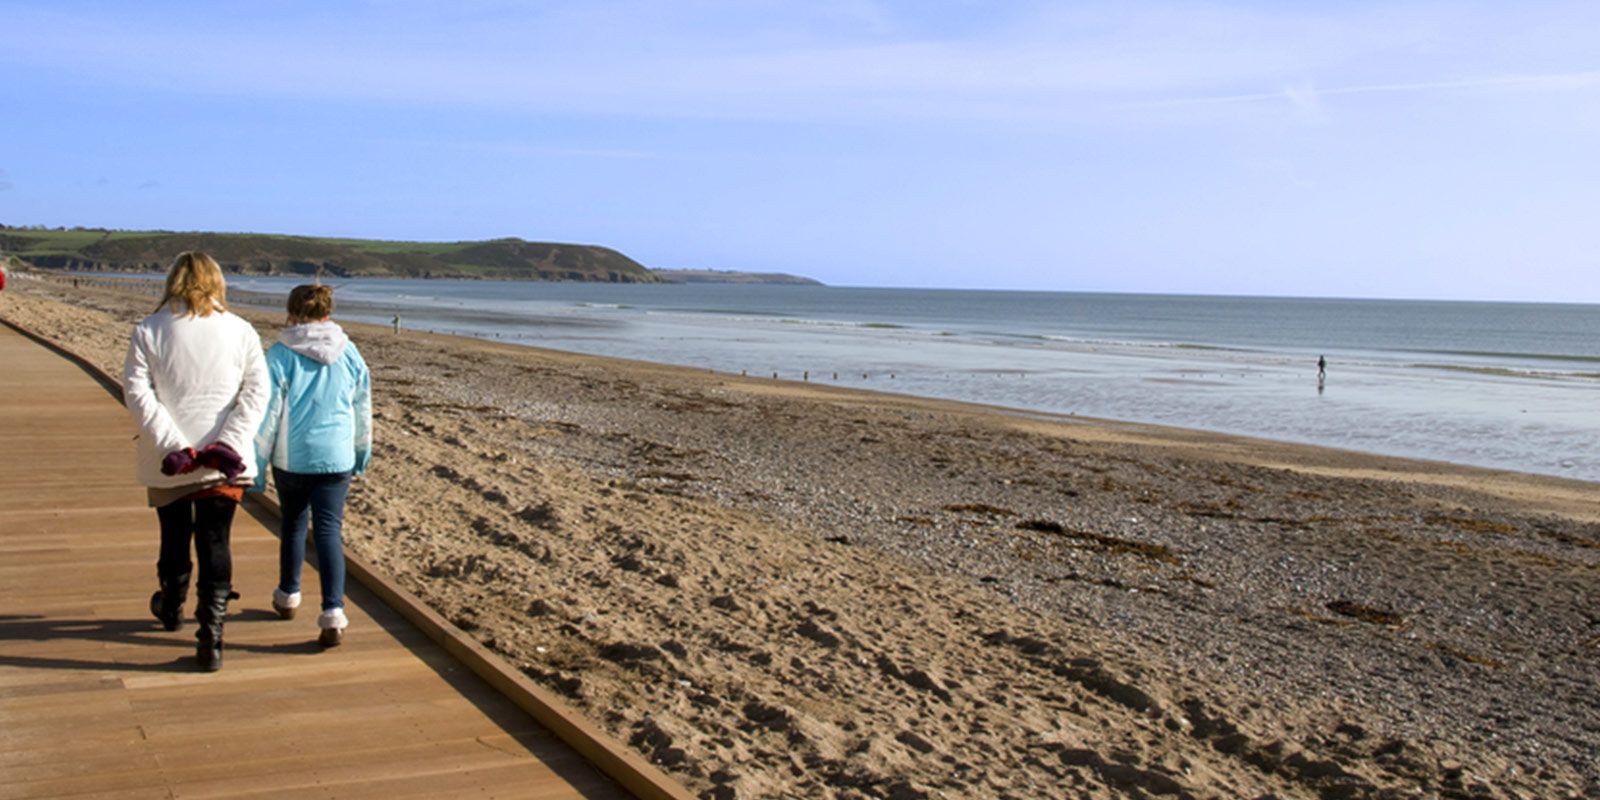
[[274, 254]]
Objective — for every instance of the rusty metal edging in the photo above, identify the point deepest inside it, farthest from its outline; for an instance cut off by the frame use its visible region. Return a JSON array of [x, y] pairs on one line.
[[608, 755]]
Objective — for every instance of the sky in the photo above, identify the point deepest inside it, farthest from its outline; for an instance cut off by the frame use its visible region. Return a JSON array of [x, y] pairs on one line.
[[1352, 149]]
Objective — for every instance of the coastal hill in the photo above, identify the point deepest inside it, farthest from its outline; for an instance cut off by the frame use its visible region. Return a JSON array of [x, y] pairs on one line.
[[270, 254], [102, 250], [732, 276]]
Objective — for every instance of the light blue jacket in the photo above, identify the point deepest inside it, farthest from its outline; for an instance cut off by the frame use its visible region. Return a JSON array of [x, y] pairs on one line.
[[319, 412]]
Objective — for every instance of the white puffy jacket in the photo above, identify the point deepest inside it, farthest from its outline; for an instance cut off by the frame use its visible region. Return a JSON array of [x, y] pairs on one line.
[[189, 381]]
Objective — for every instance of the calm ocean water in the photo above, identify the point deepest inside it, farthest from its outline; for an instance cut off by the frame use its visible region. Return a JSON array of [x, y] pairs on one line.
[[1504, 385]]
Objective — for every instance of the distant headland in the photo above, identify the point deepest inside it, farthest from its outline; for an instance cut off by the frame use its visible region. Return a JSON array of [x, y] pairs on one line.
[[731, 276], [104, 250]]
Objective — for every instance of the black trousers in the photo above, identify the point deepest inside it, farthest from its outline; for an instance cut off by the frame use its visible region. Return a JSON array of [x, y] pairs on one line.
[[209, 523]]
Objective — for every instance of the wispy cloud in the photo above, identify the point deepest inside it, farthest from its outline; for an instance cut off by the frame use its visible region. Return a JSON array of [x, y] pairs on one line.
[[1307, 98], [846, 60], [519, 149]]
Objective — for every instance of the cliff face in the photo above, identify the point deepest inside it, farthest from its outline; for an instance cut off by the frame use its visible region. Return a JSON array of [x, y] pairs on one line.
[[256, 254]]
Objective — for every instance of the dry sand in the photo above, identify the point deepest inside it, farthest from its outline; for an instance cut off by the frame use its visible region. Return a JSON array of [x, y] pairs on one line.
[[784, 590]]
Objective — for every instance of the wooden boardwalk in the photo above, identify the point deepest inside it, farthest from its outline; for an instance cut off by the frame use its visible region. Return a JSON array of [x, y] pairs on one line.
[[97, 701]]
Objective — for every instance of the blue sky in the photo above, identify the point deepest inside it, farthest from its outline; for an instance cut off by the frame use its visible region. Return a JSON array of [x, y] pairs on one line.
[[1384, 149]]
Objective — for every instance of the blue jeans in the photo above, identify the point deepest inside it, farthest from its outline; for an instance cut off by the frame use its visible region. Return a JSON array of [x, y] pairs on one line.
[[321, 499]]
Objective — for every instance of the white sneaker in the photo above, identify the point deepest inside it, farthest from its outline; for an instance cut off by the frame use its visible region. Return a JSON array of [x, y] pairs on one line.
[[332, 622], [285, 604]]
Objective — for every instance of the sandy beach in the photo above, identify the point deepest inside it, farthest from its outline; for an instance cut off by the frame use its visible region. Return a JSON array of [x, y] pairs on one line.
[[777, 589]]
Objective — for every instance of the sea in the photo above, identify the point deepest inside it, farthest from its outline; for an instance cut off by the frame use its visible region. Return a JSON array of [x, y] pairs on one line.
[[1512, 386]]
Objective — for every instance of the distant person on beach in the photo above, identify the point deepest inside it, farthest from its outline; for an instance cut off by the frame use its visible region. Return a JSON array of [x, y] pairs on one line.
[[196, 385], [397, 323], [317, 433], [1322, 367]]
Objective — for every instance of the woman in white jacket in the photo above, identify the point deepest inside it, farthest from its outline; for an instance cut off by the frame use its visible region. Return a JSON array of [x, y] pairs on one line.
[[196, 384]]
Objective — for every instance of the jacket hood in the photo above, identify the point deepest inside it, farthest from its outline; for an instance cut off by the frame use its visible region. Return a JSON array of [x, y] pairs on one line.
[[320, 341]]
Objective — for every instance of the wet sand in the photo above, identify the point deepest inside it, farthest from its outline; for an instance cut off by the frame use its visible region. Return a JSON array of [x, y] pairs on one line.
[[778, 589]]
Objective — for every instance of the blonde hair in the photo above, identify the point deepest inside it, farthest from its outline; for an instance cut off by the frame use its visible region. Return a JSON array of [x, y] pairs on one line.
[[195, 281], [309, 303]]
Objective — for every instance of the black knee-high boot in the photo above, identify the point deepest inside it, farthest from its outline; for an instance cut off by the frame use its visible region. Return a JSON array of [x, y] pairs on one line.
[[210, 613], [167, 603]]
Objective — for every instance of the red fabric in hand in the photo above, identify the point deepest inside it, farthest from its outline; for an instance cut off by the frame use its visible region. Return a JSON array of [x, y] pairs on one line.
[[178, 462], [220, 456]]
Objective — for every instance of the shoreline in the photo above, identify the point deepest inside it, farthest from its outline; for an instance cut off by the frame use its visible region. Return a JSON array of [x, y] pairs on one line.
[[1293, 452], [1573, 496], [1449, 414], [788, 588]]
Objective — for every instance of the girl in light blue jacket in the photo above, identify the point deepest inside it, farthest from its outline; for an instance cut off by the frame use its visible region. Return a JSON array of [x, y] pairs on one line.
[[317, 434]]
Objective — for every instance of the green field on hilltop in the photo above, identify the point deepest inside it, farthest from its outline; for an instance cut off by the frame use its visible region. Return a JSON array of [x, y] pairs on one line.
[[396, 246], [275, 254]]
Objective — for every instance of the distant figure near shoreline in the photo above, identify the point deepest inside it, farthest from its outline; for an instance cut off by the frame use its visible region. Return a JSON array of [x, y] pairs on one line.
[[1322, 368]]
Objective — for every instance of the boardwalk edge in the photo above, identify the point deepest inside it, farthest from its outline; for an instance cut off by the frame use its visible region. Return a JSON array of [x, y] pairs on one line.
[[606, 753]]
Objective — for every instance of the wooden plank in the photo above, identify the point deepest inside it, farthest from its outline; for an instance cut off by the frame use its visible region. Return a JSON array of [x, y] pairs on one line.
[[97, 701], [203, 771]]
